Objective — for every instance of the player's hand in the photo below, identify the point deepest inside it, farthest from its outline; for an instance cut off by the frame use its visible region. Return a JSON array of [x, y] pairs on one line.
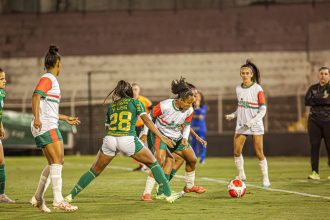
[[184, 142], [143, 138], [249, 124], [167, 141], [73, 120], [202, 142], [2, 133], [37, 123], [230, 117]]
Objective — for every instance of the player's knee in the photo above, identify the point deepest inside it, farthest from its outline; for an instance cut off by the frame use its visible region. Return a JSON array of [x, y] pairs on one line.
[[2, 161]]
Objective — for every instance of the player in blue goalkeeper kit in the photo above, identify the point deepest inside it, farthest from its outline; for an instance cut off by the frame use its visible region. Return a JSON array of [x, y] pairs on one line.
[[198, 124]]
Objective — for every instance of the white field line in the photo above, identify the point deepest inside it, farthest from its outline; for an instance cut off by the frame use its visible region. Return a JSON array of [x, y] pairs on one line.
[[247, 184]]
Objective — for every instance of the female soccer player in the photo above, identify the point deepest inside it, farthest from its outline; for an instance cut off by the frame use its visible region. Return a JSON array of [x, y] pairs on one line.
[[3, 196], [45, 108], [170, 116], [121, 119], [317, 97], [198, 124], [250, 111]]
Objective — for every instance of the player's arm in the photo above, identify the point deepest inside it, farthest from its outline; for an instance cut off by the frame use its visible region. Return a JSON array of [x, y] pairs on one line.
[[35, 110], [69, 119], [198, 138], [44, 85], [261, 112], [186, 129], [153, 129], [2, 131]]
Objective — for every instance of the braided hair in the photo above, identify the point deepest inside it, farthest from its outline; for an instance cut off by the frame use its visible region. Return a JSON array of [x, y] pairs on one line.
[[123, 89], [181, 89], [52, 57], [254, 69]]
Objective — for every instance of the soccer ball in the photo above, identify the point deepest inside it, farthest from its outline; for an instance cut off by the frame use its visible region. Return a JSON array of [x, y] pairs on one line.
[[236, 188]]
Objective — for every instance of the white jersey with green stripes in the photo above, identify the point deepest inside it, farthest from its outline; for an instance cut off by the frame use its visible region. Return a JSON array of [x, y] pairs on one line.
[[250, 100], [49, 89]]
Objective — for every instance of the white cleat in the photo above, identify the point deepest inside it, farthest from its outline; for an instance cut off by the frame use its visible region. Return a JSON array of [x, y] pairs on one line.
[[174, 196], [160, 197], [65, 206], [241, 177], [5, 199], [40, 205]]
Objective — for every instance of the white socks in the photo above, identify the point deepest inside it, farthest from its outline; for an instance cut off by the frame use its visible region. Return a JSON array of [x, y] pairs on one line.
[[149, 185], [239, 163], [264, 170], [56, 180], [44, 182], [190, 179]]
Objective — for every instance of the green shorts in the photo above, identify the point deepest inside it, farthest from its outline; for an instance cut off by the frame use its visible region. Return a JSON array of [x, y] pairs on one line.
[[48, 137], [154, 144]]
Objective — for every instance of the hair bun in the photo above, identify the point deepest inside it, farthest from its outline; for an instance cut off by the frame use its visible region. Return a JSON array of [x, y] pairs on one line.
[[53, 49]]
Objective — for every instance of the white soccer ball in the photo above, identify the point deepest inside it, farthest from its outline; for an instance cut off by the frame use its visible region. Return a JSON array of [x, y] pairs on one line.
[[236, 188]]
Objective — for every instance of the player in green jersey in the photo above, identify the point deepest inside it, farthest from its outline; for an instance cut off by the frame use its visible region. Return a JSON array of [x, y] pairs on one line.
[[120, 122], [3, 197]]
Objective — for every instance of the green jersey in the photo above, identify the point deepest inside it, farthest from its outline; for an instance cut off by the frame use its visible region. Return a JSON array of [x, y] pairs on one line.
[[2, 102], [122, 116]]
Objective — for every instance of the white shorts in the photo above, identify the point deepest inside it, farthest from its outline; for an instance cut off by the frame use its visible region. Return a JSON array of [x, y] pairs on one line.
[[128, 145], [257, 129]]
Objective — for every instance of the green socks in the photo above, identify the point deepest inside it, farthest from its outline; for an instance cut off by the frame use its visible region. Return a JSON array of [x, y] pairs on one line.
[[160, 178], [173, 172], [2, 179], [84, 180], [169, 177]]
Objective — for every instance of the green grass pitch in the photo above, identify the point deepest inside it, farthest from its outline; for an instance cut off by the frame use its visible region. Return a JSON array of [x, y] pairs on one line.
[[116, 193]]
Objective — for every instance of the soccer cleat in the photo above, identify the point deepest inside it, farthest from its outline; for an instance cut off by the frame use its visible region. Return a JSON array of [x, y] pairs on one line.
[[41, 205], [266, 183], [5, 199], [141, 168], [161, 196], [314, 176], [174, 196], [65, 206], [146, 197], [196, 189], [241, 177], [68, 198]]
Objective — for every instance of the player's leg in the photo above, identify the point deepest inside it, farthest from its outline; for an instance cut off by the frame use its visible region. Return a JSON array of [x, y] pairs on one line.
[[195, 145], [167, 168], [178, 163], [239, 140], [105, 155], [37, 199], [258, 147], [202, 148], [144, 155], [315, 137], [3, 197], [55, 154], [189, 155]]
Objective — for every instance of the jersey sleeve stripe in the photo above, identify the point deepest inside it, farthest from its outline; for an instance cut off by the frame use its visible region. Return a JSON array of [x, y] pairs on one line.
[[261, 98], [45, 84], [40, 92]]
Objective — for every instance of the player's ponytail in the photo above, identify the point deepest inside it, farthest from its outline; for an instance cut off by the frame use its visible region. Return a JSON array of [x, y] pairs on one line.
[[255, 70], [181, 88], [52, 57], [123, 89]]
